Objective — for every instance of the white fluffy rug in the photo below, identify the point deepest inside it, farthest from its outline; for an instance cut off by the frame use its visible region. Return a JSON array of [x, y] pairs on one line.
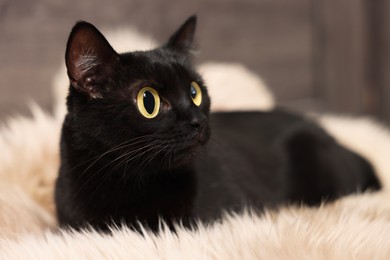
[[355, 227]]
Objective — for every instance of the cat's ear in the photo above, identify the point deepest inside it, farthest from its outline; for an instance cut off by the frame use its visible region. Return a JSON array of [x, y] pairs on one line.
[[182, 40], [90, 59]]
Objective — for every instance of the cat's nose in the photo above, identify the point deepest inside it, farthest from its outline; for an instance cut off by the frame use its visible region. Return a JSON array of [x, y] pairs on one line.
[[197, 121]]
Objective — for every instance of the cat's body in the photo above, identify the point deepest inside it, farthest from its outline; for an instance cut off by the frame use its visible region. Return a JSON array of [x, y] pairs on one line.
[[129, 157]]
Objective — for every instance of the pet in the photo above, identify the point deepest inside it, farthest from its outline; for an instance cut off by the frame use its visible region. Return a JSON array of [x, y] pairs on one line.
[[140, 146]]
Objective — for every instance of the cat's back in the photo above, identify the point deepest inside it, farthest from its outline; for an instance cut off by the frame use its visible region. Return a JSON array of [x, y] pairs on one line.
[[260, 134], [269, 158], [256, 126]]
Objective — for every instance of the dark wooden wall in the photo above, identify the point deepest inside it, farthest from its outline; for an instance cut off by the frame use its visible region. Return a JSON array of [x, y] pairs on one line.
[[314, 54], [352, 56], [379, 70]]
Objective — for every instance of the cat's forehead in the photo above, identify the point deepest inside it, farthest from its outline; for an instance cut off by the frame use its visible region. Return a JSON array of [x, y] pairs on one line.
[[160, 66]]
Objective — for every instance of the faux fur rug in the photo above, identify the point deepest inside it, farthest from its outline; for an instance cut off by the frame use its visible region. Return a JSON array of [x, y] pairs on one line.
[[355, 227]]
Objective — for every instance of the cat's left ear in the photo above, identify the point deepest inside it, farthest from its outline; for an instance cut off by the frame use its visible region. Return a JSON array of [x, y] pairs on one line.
[[90, 60], [182, 40]]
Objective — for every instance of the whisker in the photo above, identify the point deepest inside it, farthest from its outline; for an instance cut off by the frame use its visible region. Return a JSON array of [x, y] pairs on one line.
[[150, 158], [127, 159], [148, 147], [115, 148], [121, 146]]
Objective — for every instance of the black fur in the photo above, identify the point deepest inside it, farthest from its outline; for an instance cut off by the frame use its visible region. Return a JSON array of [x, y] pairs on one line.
[[119, 167]]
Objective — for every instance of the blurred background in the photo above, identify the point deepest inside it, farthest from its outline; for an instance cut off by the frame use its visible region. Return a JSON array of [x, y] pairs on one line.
[[316, 55]]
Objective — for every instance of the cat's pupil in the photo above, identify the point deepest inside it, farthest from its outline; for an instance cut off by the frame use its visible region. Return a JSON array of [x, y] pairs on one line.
[[193, 92], [149, 102]]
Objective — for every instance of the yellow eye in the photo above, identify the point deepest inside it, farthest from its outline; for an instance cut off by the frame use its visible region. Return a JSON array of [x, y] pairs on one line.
[[196, 93], [148, 102]]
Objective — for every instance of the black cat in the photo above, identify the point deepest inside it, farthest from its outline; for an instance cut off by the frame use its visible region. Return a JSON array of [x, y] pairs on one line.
[[135, 143]]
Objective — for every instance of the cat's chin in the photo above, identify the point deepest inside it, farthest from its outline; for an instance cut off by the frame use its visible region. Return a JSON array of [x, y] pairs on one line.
[[188, 156], [184, 156]]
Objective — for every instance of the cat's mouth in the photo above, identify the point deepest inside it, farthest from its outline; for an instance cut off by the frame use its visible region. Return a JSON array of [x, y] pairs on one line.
[[189, 147], [186, 154]]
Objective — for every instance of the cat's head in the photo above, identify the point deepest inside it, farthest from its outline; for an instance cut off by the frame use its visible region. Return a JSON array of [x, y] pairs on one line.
[[153, 103]]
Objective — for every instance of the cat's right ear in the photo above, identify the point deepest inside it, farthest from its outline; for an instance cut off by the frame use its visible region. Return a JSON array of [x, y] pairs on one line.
[[183, 39], [90, 59]]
